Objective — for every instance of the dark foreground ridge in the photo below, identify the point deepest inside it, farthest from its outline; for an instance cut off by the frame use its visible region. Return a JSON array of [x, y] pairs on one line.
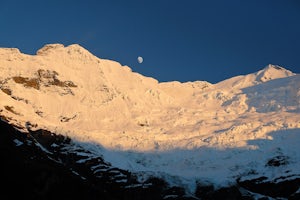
[[43, 165]]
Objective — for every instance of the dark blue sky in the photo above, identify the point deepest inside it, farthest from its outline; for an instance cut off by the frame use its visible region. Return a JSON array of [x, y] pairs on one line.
[[182, 40]]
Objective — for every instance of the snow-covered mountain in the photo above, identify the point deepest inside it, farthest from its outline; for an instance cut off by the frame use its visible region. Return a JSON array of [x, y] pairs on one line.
[[235, 131]]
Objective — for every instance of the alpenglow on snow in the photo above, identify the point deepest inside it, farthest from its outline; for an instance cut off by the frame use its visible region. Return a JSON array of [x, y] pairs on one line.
[[184, 132]]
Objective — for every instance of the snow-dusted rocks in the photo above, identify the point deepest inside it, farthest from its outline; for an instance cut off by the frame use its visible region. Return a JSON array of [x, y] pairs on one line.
[[184, 132]]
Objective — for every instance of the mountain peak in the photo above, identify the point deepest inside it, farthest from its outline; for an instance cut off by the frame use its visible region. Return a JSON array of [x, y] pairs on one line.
[[272, 72], [48, 48], [9, 51], [73, 52], [76, 48], [273, 67], [59, 48]]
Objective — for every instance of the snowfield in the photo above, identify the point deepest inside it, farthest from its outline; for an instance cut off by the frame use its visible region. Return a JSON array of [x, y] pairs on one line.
[[244, 127]]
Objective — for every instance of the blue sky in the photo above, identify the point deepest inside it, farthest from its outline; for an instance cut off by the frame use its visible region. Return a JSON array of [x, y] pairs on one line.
[[184, 40]]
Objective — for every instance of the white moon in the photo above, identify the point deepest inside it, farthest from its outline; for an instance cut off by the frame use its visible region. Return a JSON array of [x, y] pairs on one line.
[[140, 59]]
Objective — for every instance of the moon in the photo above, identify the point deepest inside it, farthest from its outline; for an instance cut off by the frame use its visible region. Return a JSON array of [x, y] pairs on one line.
[[140, 59]]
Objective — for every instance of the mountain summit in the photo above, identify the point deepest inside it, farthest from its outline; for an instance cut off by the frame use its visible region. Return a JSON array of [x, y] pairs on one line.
[[185, 132], [273, 72]]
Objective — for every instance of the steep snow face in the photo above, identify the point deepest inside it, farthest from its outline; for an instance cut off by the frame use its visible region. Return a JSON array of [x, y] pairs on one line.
[[192, 130]]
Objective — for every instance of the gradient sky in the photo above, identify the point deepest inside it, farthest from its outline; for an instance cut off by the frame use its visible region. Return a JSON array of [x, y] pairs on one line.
[[184, 40]]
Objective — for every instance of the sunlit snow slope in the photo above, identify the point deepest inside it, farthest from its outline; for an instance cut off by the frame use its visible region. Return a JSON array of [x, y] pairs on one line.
[[194, 130]]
